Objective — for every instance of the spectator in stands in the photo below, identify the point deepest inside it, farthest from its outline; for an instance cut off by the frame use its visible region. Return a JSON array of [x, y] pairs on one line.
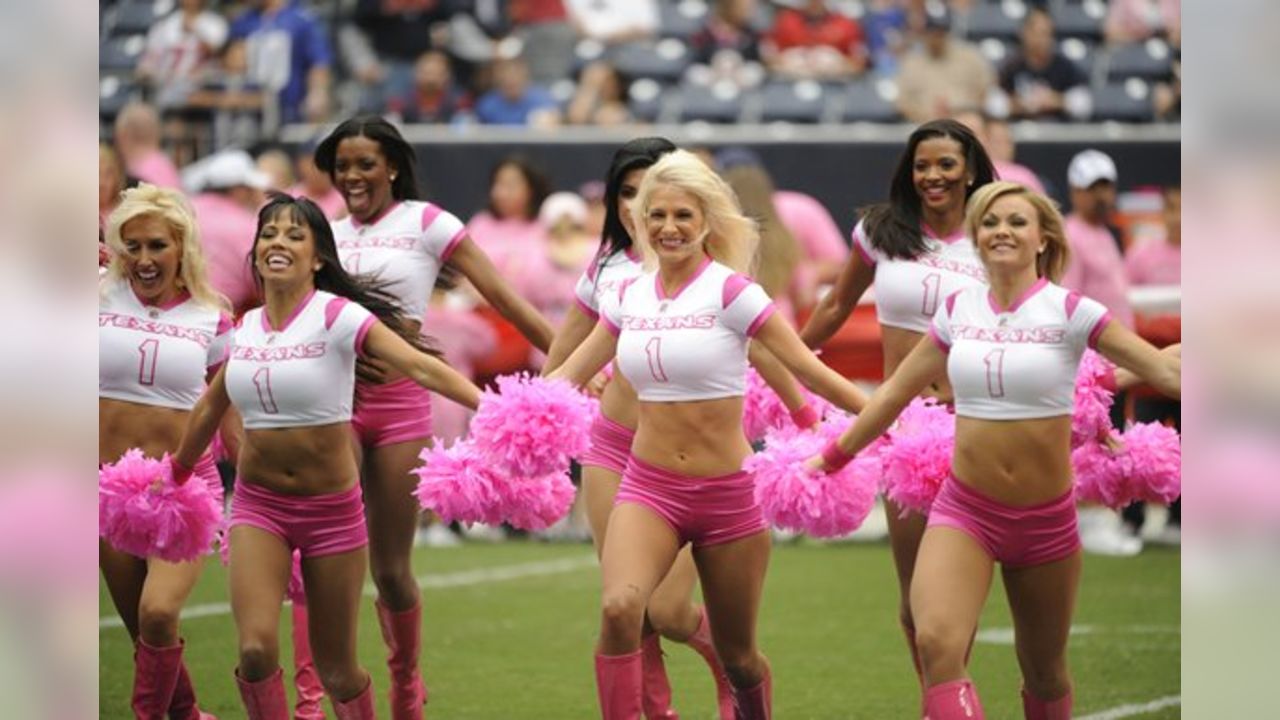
[[234, 98], [592, 193], [1166, 96], [779, 268], [289, 53], [885, 23], [1040, 82], [464, 339], [600, 98], [399, 33], [178, 47], [569, 251], [316, 185], [229, 189], [727, 33], [514, 100], [509, 231], [812, 41], [996, 138], [434, 98], [137, 132], [1159, 262], [1136, 20], [614, 21], [944, 75], [277, 165], [1095, 268]]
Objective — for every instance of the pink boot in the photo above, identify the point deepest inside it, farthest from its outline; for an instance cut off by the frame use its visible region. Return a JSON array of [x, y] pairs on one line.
[[359, 707], [656, 694], [701, 643], [755, 703], [264, 699], [183, 705], [954, 700], [306, 681], [1033, 708], [401, 632], [155, 675], [618, 682]]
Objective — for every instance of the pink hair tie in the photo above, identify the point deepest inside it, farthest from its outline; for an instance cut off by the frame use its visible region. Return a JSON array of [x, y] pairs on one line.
[[805, 417], [834, 457]]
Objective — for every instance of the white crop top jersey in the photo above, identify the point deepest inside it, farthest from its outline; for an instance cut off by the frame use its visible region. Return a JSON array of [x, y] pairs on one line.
[[405, 247], [692, 345], [154, 355], [605, 278], [302, 374], [1021, 362], [908, 292]]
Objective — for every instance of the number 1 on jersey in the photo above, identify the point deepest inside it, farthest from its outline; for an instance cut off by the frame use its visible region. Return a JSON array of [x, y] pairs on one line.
[[262, 381], [149, 350], [932, 292], [653, 349], [995, 372]]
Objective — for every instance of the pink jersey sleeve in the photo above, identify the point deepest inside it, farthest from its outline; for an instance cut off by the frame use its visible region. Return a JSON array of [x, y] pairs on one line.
[[746, 305], [221, 345], [1086, 319], [584, 293], [940, 329], [348, 322], [441, 232], [862, 245], [611, 308]]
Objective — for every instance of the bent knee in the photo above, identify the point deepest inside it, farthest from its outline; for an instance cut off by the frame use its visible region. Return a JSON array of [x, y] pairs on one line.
[[622, 608], [343, 681], [939, 643], [259, 659], [158, 620], [744, 666]]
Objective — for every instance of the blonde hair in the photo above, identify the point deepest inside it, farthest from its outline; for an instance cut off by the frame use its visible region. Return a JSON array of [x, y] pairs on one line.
[[731, 237], [1053, 261], [171, 207], [778, 252]]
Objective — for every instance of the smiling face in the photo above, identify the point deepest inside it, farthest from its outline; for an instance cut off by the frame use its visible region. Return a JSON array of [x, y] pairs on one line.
[[939, 174], [1009, 238], [284, 253], [675, 223], [152, 258], [363, 177]]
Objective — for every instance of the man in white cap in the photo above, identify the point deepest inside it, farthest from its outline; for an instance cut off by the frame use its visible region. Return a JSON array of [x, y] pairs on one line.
[[1096, 269], [230, 188]]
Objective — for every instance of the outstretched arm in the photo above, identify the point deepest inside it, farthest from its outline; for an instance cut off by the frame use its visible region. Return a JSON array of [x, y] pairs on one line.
[[472, 262], [590, 357], [781, 340], [835, 307], [428, 371], [577, 326], [783, 383], [203, 422], [1162, 369]]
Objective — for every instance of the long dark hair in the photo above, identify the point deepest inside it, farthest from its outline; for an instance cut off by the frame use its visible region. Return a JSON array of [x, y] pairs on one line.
[[331, 277], [633, 155], [894, 227], [398, 152], [537, 180]]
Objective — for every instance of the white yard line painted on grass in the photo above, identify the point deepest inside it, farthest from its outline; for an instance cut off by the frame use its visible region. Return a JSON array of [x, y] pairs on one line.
[[429, 581], [1004, 635], [1124, 711]]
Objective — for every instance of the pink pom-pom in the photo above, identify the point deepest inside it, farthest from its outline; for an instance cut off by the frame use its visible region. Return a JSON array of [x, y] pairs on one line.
[[1152, 460], [143, 512], [532, 426], [916, 458], [794, 497], [536, 503], [763, 411], [1091, 420], [1099, 476], [457, 484]]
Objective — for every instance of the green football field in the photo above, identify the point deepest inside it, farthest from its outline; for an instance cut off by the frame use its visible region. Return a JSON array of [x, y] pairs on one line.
[[509, 630]]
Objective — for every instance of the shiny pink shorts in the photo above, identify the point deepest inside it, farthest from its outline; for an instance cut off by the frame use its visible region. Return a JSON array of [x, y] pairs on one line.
[[315, 525], [206, 470], [1016, 536], [610, 445], [396, 412], [700, 510]]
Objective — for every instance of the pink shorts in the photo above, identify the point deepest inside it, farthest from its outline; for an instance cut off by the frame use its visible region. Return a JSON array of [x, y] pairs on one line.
[[610, 445], [315, 525], [700, 510], [396, 412], [1016, 536], [207, 470]]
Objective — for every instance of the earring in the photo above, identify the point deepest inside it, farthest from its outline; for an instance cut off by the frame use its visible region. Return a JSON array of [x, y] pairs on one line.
[[393, 178]]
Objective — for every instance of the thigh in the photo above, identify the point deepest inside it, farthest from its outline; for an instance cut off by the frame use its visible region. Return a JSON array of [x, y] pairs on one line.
[[905, 533], [639, 547], [732, 576], [259, 569], [950, 584], [1042, 600], [599, 487], [125, 576], [333, 584], [676, 588], [388, 497], [169, 584]]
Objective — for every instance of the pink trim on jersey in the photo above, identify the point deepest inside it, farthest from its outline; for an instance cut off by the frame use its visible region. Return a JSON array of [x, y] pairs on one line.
[[608, 324], [764, 315], [733, 287], [586, 309], [364, 330], [1021, 299], [374, 220], [225, 324], [453, 244], [622, 288], [1073, 301], [266, 321], [181, 298], [662, 294], [942, 345], [632, 254], [948, 239], [1098, 327], [951, 302], [332, 310], [429, 214], [862, 252]]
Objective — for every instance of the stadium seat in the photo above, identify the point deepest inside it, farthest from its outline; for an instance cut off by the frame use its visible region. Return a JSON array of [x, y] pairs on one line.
[[870, 100], [1151, 60], [121, 53], [646, 100], [113, 93], [1129, 101], [681, 19], [1079, 20], [720, 103], [999, 21], [137, 16], [996, 50], [1080, 52], [797, 102], [664, 60]]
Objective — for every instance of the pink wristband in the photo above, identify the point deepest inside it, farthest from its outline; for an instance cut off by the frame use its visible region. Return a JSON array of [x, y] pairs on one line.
[[1108, 381], [834, 457], [804, 417], [181, 473]]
